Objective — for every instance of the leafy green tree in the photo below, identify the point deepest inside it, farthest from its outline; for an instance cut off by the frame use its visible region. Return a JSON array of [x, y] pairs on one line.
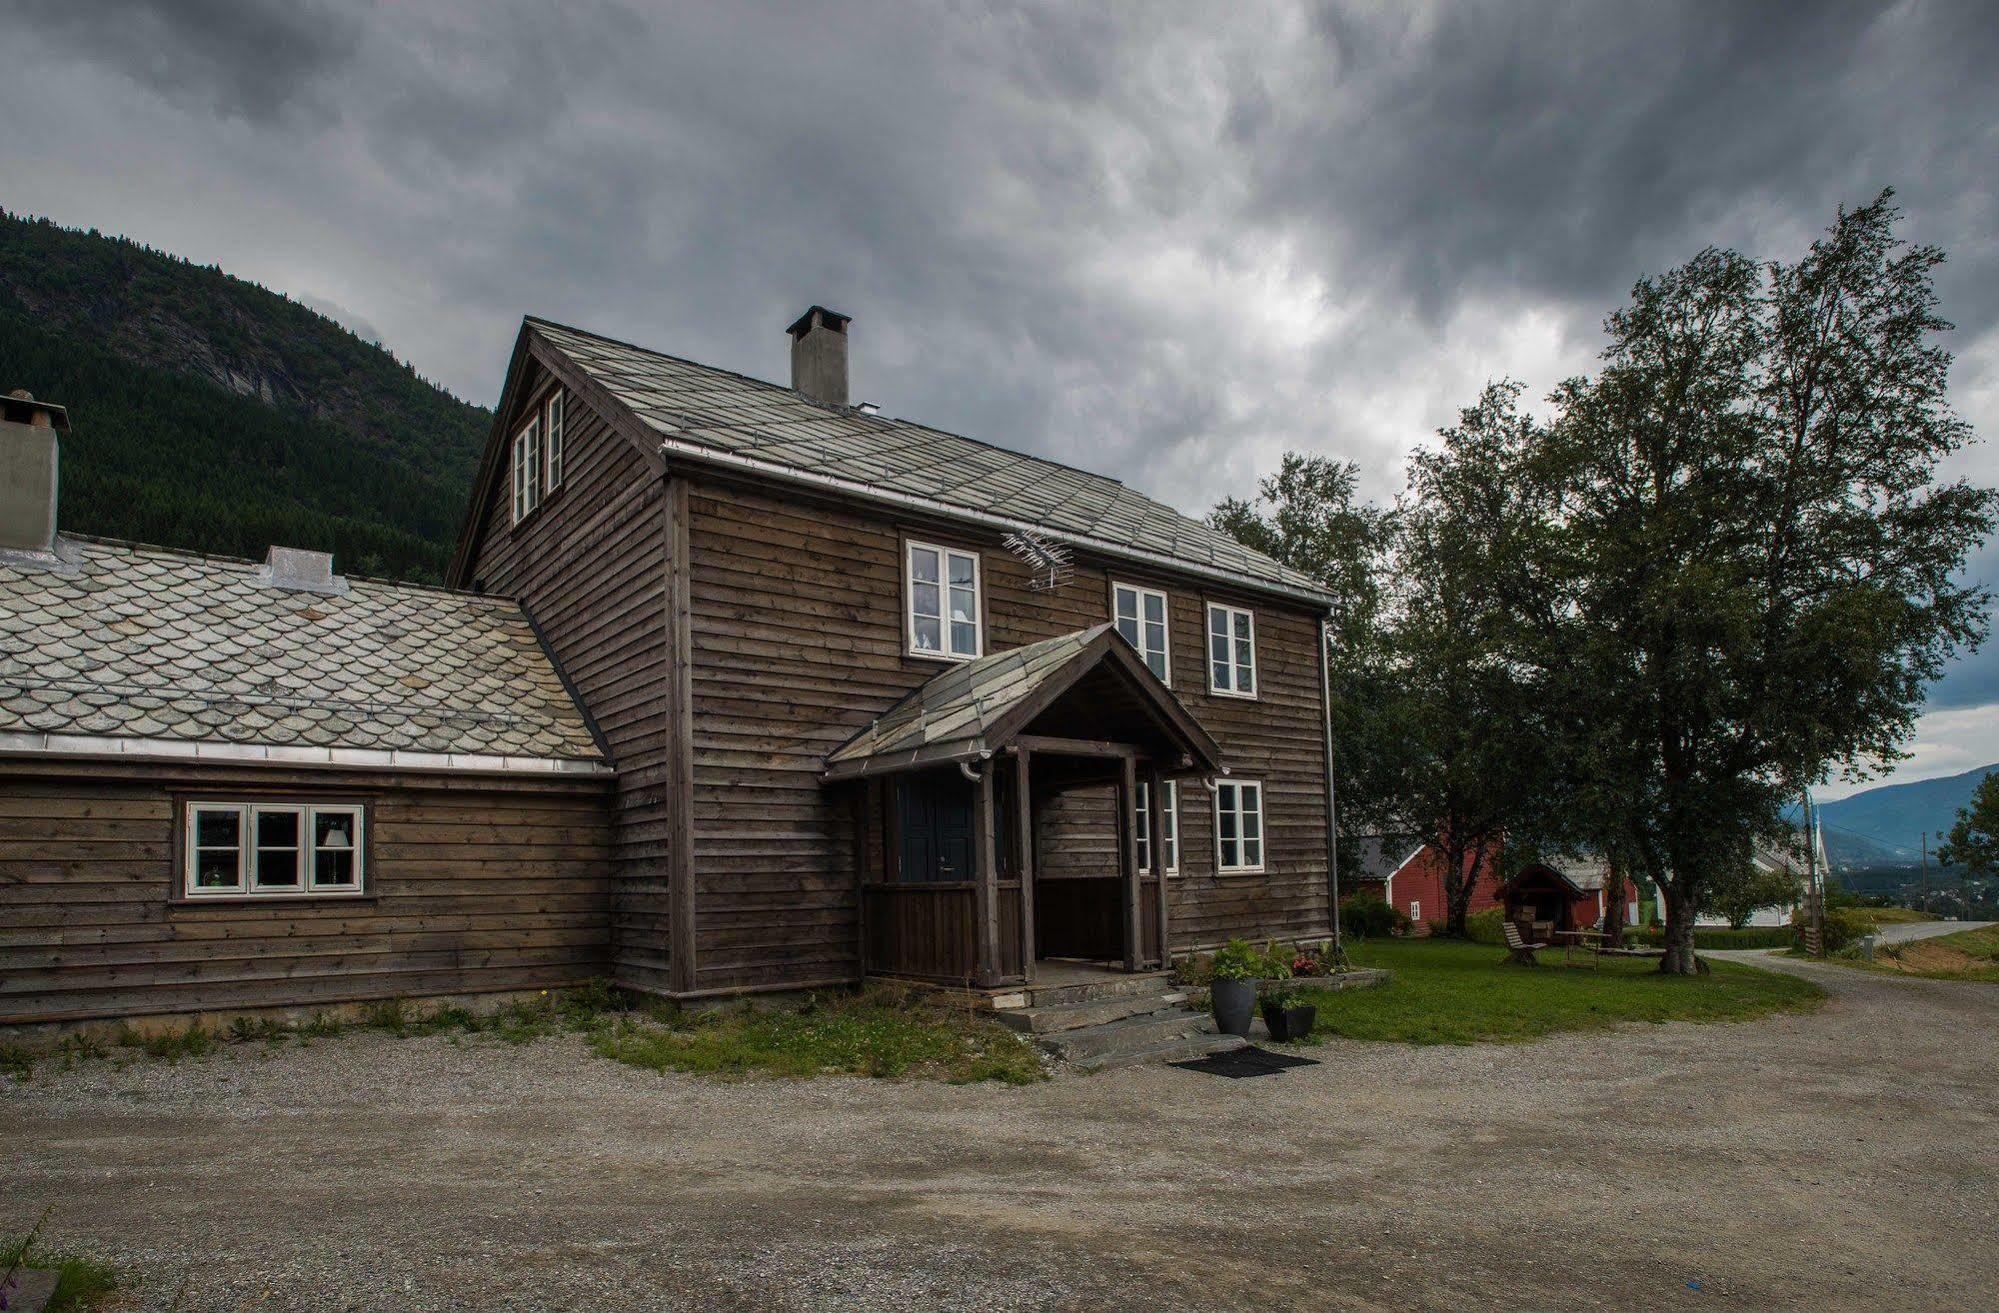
[[1471, 739], [1738, 897], [1309, 516], [1748, 578], [1973, 840]]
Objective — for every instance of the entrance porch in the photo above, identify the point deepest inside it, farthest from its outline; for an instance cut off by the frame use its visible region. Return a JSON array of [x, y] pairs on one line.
[[951, 794]]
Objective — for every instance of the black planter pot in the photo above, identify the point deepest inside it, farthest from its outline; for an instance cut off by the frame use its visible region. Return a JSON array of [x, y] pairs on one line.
[[1292, 1023], [1234, 1003]]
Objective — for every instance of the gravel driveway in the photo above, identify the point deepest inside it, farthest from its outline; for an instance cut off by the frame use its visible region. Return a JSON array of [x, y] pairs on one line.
[[1843, 1159]]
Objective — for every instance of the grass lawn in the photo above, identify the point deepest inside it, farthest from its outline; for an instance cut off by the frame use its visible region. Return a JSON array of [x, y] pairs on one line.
[[1966, 955], [1896, 915], [881, 1031], [1451, 992]]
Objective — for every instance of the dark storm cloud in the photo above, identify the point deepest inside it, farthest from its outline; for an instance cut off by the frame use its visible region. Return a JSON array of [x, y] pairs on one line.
[[246, 59], [1166, 242]]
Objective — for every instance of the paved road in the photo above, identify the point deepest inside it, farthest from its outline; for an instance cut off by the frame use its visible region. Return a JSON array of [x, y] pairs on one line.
[[1842, 1159], [1903, 932]]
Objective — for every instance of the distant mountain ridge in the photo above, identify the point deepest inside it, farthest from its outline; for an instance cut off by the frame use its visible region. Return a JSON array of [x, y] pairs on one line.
[[1886, 825], [210, 413]]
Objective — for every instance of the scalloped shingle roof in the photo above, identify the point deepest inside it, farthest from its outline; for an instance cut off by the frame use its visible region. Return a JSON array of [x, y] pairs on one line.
[[149, 643]]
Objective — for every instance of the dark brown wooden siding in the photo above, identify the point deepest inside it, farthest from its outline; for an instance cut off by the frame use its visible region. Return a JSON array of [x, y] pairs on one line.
[[590, 567], [797, 639], [474, 885]]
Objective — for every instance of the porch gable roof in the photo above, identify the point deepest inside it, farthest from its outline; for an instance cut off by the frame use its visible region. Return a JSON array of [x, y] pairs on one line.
[[971, 710]]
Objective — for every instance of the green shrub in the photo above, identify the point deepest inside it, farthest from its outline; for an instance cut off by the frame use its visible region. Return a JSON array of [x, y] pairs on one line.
[[1235, 960], [1844, 926], [1486, 927], [1721, 938], [1368, 917]]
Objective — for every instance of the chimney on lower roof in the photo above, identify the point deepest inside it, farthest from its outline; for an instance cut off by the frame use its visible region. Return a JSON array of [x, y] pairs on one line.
[[819, 355], [302, 571], [28, 470]]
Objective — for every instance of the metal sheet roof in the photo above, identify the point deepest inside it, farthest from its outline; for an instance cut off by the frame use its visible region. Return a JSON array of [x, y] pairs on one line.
[[733, 417]]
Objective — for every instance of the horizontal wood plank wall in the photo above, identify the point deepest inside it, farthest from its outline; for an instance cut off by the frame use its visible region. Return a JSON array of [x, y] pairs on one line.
[[797, 636], [475, 885], [590, 566]]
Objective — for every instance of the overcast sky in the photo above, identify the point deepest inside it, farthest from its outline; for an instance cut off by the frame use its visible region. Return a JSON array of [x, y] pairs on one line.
[[1164, 241]]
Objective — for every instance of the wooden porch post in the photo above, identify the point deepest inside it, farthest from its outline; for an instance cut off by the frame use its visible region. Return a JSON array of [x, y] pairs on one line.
[[1023, 847], [985, 866], [1134, 903], [1155, 827]]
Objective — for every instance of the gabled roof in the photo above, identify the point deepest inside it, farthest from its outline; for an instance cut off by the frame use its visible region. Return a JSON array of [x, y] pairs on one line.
[[1378, 860], [699, 413], [133, 649], [973, 709]]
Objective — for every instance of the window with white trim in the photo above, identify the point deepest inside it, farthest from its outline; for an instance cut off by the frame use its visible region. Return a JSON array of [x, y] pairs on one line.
[[1141, 617], [942, 605], [1415, 909], [1169, 826], [272, 850], [1231, 651], [1239, 826], [527, 463], [551, 461]]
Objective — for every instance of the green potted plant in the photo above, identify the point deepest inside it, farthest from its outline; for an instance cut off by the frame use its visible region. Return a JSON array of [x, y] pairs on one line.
[[1289, 1017], [1232, 987]]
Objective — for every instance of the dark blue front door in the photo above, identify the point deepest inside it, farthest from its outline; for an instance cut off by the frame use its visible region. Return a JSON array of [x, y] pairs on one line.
[[935, 813]]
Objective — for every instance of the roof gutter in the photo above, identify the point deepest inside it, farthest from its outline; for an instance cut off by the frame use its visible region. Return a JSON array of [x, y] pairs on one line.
[[887, 496]]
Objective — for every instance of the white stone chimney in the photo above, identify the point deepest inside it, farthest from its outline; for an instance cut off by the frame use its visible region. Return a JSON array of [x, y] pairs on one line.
[[28, 470]]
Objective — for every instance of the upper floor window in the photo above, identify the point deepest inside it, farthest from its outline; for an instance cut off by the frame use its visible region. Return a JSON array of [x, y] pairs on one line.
[[527, 469], [272, 850], [943, 602], [1239, 826], [1141, 617], [1169, 826], [1231, 651], [551, 464]]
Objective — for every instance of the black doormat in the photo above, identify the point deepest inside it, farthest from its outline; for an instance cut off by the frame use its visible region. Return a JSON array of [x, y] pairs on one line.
[[1246, 1061]]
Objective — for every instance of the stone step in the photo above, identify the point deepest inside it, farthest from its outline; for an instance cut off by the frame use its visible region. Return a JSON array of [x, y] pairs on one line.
[[1178, 1050], [1042, 1019], [1129, 1035], [1105, 986]]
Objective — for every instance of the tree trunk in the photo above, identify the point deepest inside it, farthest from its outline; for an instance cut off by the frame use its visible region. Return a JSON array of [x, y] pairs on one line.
[[1679, 959], [1457, 893]]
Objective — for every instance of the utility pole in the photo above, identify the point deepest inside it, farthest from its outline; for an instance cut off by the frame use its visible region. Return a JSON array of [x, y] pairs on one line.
[[1814, 889], [1924, 840]]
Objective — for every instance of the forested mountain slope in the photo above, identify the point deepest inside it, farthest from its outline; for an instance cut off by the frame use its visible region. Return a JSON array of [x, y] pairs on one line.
[[210, 413]]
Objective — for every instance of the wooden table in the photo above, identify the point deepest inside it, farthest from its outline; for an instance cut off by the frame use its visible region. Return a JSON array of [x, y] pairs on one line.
[[1588, 941]]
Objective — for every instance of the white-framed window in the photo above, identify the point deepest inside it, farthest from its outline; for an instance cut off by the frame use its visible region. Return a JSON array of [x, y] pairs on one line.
[[272, 850], [1415, 909], [1169, 826], [1231, 651], [943, 602], [551, 463], [1141, 615], [1239, 826], [527, 464]]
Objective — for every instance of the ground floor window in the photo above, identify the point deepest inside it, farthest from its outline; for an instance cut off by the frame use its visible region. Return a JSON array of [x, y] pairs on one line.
[[272, 849], [1239, 826], [1169, 825]]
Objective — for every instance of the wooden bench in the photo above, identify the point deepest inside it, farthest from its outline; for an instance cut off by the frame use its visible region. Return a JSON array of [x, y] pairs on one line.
[[1518, 950]]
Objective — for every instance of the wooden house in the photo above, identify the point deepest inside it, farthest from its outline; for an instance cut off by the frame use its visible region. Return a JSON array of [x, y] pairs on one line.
[[758, 690]]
